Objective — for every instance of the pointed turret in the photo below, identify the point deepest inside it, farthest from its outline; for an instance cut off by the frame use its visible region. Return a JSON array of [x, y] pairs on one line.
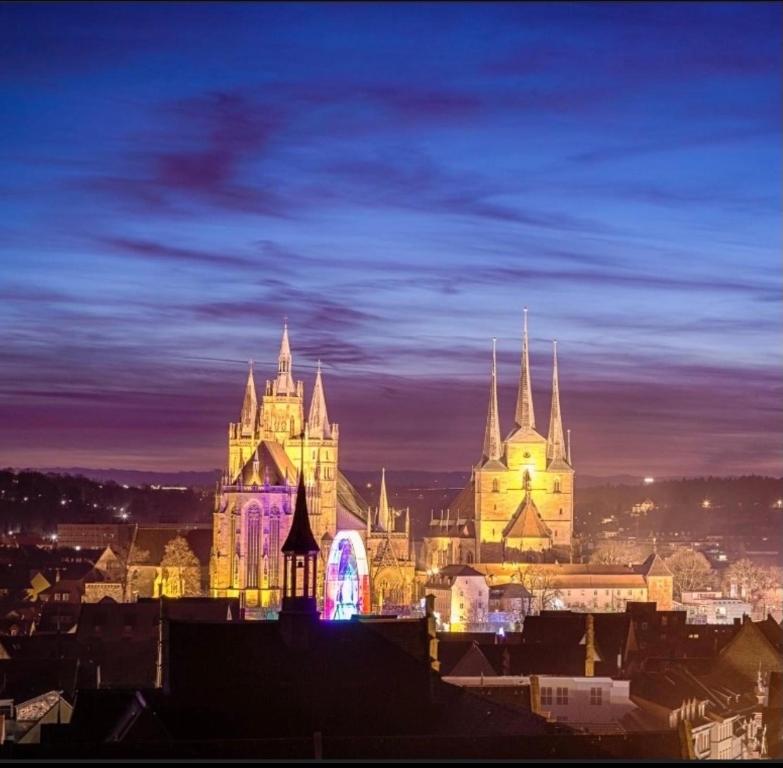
[[284, 383], [247, 419], [318, 421], [300, 540], [492, 444], [555, 443], [385, 514], [525, 416]]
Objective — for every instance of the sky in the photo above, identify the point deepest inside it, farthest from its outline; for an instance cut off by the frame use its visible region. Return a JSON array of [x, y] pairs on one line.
[[399, 181]]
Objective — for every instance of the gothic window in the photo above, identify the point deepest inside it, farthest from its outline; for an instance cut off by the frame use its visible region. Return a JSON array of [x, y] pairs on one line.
[[495, 488], [556, 488], [253, 544], [469, 558], [561, 511]]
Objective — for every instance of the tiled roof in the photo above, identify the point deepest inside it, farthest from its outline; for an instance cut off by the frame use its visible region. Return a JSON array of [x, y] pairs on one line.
[[526, 522]]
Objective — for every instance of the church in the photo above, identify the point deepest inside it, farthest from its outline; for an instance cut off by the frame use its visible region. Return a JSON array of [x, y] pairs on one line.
[[520, 498], [365, 552]]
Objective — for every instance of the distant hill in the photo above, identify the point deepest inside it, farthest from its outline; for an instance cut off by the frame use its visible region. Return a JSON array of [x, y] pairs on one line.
[[35, 501], [360, 478], [201, 478]]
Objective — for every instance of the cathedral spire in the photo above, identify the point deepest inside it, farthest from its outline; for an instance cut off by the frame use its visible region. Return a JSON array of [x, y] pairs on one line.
[[555, 444], [247, 419], [318, 421], [284, 384], [525, 416], [492, 444], [384, 512]]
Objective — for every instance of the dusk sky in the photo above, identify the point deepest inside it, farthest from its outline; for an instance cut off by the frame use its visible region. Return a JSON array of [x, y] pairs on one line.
[[399, 181]]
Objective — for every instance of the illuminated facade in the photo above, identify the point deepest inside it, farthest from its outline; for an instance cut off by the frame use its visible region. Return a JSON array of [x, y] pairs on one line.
[[255, 501], [521, 494]]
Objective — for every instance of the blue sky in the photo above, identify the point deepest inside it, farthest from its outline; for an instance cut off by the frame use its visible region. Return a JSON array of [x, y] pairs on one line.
[[399, 181]]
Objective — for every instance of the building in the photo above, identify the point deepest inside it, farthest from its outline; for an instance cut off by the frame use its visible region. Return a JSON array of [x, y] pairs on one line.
[[364, 555], [713, 608], [520, 497], [461, 597], [513, 522]]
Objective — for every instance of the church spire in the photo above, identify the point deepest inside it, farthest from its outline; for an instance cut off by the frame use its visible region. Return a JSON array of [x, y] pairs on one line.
[[492, 444], [318, 421], [384, 512], [247, 419], [284, 384], [525, 416], [555, 444]]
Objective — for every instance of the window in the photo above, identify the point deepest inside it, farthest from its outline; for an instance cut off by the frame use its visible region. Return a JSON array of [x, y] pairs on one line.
[[495, 488], [562, 696], [546, 695], [556, 487], [595, 696]]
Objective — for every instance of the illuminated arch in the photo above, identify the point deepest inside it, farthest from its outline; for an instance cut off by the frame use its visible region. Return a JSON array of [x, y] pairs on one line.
[[347, 582]]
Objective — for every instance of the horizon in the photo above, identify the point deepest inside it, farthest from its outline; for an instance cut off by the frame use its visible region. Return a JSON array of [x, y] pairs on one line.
[[399, 195]]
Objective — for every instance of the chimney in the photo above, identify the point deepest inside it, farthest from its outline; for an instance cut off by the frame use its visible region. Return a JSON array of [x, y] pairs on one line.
[[589, 646]]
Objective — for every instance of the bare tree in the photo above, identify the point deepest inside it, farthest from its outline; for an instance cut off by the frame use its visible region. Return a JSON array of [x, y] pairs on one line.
[[750, 581], [691, 571], [612, 552], [539, 581]]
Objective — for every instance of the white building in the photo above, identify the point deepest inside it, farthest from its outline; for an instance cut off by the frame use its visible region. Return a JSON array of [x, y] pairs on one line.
[[461, 597], [713, 608]]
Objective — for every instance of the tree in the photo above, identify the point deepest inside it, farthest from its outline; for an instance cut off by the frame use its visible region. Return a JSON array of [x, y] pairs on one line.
[[750, 581], [613, 552], [539, 581], [181, 568], [691, 571]]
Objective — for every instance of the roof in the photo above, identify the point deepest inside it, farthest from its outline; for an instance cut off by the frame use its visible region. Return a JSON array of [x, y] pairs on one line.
[[351, 507], [152, 540], [464, 503], [510, 590], [654, 565], [526, 522], [268, 463], [473, 664]]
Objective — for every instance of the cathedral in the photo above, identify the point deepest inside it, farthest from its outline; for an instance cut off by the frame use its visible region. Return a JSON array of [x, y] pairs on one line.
[[520, 498], [366, 556]]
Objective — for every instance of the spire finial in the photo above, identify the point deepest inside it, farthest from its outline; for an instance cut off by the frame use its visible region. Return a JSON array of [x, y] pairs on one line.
[[384, 511], [556, 448], [525, 417], [492, 444], [318, 421]]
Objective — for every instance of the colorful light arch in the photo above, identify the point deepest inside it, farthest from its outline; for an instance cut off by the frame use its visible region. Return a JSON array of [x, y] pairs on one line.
[[347, 582]]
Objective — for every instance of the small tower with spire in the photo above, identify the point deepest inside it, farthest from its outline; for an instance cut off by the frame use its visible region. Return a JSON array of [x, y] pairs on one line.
[[386, 516], [300, 560], [243, 435], [283, 402], [318, 421], [525, 415], [555, 443], [493, 447]]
